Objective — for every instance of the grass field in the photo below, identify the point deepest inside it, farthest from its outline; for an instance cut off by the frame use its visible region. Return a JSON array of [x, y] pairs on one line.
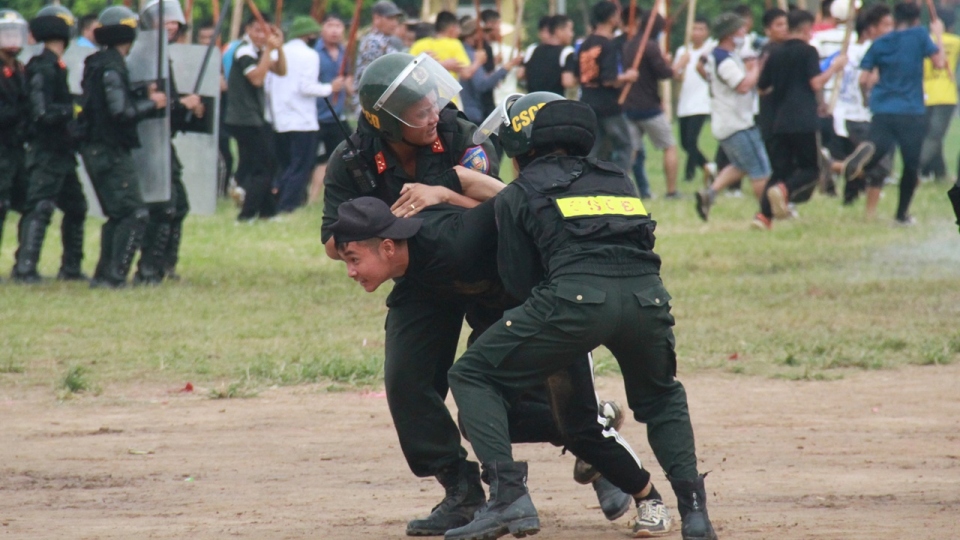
[[260, 305]]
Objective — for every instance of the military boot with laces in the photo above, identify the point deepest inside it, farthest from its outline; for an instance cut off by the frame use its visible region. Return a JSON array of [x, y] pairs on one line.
[[464, 496]]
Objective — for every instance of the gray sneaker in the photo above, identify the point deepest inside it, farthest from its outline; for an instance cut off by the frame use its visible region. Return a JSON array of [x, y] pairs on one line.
[[653, 519], [703, 204], [857, 160]]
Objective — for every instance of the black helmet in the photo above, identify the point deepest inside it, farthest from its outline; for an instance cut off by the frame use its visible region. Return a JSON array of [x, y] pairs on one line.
[[52, 23], [13, 30], [540, 120], [394, 82], [118, 24]]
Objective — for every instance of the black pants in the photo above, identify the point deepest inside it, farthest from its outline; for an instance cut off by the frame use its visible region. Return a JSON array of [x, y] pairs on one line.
[[331, 136], [255, 170], [297, 153], [690, 127], [794, 158], [906, 131]]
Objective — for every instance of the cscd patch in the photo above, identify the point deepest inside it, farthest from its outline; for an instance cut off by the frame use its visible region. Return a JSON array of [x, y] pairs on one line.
[[476, 158]]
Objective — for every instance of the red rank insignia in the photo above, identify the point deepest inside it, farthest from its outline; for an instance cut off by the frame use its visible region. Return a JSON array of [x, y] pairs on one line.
[[7, 72], [381, 162], [437, 146], [61, 64]]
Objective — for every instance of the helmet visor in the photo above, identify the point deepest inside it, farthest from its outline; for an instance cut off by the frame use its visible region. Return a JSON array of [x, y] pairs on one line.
[[13, 32], [419, 92], [150, 18], [499, 117]]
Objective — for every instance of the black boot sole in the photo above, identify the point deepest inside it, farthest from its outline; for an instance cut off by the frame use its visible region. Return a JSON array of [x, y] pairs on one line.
[[519, 529]]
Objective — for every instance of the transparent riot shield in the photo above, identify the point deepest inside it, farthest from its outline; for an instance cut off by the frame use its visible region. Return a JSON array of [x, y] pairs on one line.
[[153, 156], [197, 147]]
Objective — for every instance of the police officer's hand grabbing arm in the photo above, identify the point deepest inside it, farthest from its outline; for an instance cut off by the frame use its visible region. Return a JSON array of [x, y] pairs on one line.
[[477, 187]]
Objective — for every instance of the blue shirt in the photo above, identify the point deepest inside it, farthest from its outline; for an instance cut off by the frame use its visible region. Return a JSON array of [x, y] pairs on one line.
[[329, 69], [228, 57], [84, 42], [475, 86], [899, 57]]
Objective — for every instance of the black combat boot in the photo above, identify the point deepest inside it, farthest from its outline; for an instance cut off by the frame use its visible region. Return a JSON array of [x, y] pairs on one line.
[[464, 497], [509, 510], [33, 229], [172, 255], [150, 267], [613, 501], [692, 503], [126, 241], [106, 249], [71, 233]]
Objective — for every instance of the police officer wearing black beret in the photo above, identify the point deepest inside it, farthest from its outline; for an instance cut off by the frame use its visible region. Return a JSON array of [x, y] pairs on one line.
[[576, 243], [413, 150]]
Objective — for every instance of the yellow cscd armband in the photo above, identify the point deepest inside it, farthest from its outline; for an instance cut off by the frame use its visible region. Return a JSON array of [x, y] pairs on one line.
[[600, 205]]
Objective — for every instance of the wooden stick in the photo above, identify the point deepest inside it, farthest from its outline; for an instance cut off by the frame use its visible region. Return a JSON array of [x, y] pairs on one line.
[[666, 27], [483, 40], [691, 18], [518, 28], [782, 4], [259, 16], [215, 5], [351, 43], [847, 33], [643, 48], [278, 13], [236, 20], [632, 19], [318, 10], [188, 15]]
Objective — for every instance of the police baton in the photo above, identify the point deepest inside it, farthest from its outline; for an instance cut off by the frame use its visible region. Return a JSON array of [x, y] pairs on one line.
[[206, 56], [364, 179]]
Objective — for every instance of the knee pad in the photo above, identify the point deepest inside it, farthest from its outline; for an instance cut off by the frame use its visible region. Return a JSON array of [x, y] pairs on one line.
[[141, 215], [46, 208]]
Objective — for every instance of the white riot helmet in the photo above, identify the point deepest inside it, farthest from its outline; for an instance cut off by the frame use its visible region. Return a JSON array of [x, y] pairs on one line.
[[13, 30], [150, 16]]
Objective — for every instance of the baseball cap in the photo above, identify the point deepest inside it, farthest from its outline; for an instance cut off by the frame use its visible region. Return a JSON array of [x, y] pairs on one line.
[[386, 8], [364, 218]]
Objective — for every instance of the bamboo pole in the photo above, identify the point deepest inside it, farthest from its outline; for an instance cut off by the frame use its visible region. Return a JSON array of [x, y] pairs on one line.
[[847, 33]]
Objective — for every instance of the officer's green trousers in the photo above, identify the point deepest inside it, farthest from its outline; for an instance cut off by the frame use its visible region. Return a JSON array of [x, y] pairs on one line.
[[556, 326]]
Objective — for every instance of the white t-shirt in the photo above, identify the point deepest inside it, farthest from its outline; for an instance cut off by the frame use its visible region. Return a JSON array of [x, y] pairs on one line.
[[731, 111], [850, 105], [829, 42], [694, 91]]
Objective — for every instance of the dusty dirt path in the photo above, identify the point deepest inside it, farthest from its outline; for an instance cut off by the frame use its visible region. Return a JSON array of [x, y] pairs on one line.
[[876, 454]]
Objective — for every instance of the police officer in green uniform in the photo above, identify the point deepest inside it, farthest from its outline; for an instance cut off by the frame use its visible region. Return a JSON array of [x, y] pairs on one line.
[[577, 244], [14, 111], [412, 151], [109, 119], [161, 240], [51, 154]]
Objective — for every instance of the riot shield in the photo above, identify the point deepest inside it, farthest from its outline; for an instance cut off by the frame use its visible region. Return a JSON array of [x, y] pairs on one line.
[[75, 57], [197, 147], [153, 156]]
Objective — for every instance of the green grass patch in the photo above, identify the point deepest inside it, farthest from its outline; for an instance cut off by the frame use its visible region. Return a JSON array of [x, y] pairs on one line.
[[261, 306]]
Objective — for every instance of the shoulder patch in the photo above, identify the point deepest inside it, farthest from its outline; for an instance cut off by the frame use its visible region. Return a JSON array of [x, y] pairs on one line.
[[476, 158], [381, 162], [437, 146]]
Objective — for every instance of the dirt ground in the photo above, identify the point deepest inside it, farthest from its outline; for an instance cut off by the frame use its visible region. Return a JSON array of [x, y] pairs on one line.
[[876, 454]]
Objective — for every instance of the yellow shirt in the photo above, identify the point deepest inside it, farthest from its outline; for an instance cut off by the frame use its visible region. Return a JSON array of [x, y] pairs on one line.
[[940, 85], [442, 48]]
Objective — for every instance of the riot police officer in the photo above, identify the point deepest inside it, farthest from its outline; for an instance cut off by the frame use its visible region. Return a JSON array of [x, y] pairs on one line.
[[408, 144], [576, 243], [14, 110], [110, 115], [50, 159], [161, 241]]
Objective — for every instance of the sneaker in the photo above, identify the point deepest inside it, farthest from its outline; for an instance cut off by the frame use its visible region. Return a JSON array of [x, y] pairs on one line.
[[733, 193], [761, 223], [703, 204], [794, 214], [674, 195], [779, 198], [857, 160], [653, 519], [711, 168]]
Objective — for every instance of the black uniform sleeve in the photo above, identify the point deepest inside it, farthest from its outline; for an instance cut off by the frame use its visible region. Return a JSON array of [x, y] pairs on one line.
[[43, 111], [518, 259], [9, 111], [119, 105], [338, 188]]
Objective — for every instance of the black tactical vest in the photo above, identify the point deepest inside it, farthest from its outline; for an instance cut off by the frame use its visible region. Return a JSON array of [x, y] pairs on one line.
[[98, 124], [57, 93], [589, 217], [14, 105]]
